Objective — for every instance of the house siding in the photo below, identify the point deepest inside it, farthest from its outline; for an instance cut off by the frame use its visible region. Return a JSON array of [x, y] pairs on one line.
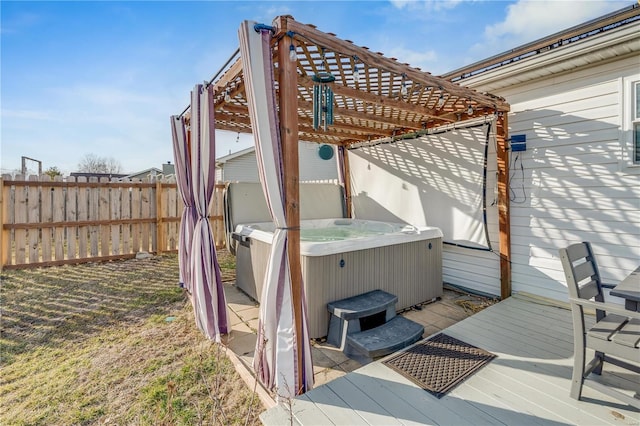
[[569, 186], [244, 168], [313, 168], [241, 169]]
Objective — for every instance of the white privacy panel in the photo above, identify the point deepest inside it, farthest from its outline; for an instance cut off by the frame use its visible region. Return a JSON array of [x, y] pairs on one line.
[[434, 180]]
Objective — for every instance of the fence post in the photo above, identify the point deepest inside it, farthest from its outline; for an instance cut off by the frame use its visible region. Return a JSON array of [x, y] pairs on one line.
[[160, 240], [4, 237], [33, 216]]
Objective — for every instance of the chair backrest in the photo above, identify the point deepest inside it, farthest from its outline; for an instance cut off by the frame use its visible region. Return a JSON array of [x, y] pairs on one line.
[[581, 272]]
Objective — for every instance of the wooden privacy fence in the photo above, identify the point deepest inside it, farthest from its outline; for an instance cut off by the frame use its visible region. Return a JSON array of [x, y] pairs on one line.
[[48, 222]]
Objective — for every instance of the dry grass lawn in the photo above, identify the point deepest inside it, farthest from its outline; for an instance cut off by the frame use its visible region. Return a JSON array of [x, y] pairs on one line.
[[112, 343]]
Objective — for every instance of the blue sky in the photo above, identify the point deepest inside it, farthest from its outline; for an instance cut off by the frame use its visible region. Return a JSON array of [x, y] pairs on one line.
[[103, 78]]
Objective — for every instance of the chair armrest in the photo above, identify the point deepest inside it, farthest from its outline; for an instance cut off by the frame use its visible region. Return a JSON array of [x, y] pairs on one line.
[[607, 285], [609, 307]]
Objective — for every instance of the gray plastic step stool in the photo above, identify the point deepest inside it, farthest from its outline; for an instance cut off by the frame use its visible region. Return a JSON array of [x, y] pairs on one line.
[[390, 337], [365, 326], [346, 314]]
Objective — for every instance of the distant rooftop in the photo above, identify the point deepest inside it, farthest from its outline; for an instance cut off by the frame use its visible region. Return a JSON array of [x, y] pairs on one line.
[[97, 175], [233, 155]]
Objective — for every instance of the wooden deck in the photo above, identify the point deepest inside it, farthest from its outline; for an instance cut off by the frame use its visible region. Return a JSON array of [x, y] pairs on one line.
[[528, 383]]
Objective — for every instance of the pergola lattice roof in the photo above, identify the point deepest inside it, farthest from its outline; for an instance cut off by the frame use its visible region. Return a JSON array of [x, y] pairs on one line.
[[369, 107]]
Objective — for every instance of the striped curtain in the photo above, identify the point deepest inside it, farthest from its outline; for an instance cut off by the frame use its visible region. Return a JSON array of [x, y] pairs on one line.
[[201, 271], [276, 356], [182, 162]]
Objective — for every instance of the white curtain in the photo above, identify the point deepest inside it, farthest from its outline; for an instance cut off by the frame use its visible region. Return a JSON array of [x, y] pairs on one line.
[[435, 180], [276, 356]]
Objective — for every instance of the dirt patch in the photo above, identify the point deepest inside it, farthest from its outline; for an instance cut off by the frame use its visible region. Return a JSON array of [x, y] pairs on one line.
[[112, 343]]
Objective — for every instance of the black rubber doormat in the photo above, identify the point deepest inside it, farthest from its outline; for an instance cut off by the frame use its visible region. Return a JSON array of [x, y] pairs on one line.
[[440, 363]]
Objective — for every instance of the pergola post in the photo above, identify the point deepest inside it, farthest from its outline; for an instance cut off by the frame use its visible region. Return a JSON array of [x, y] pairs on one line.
[[288, 110], [347, 182], [504, 215]]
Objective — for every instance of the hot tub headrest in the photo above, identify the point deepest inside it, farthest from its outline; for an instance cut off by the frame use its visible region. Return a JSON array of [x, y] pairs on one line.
[[245, 203]]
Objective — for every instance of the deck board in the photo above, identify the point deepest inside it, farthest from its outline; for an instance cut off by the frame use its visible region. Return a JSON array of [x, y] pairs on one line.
[[309, 413], [535, 402], [364, 405], [540, 396], [304, 411], [527, 384], [448, 408], [393, 402], [331, 404], [518, 333]]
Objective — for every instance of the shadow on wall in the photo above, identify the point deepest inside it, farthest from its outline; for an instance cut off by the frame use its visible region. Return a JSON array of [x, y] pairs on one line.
[[572, 184], [366, 204], [436, 180]]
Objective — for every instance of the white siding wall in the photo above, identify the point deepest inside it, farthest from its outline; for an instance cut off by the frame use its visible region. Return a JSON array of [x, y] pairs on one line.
[[241, 169], [571, 187], [312, 168]]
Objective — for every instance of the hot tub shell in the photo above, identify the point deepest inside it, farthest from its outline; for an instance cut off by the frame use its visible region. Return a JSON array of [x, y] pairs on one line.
[[406, 264]]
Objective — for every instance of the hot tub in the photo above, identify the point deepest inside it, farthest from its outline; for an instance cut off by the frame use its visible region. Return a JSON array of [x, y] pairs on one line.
[[346, 257]]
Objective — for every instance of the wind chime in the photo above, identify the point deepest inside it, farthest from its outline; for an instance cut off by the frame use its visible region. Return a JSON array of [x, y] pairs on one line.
[[322, 97]]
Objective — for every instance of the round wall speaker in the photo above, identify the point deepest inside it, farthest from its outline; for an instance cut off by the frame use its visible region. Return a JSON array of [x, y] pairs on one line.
[[325, 152]]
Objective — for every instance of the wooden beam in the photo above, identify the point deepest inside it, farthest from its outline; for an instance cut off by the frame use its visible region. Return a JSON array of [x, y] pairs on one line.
[[359, 132], [238, 114], [340, 112], [233, 109], [238, 90], [103, 222], [311, 136], [92, 184], [233, 118], [504, 215], [384, 101], [230, 75], [32, 265], [288, 111]]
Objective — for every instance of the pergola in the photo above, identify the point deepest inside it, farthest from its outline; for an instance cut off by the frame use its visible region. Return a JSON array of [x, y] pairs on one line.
[[373, 97]]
